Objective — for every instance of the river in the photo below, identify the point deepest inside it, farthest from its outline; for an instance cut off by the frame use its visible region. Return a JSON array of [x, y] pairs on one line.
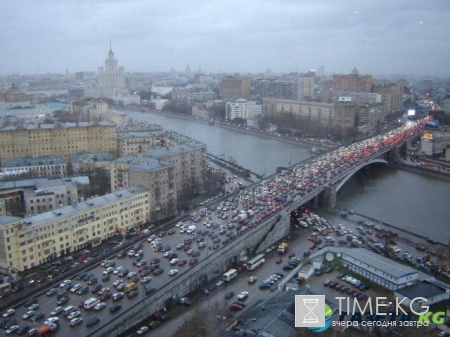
[[417, 203]]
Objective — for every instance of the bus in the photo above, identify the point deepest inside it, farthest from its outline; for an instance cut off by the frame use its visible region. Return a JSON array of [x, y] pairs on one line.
[[229, 275], [255, 262], [5, 287]]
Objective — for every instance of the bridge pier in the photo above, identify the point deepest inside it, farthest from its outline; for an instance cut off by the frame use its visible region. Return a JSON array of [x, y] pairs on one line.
[[329, 196], [315, 201], [394, 154]]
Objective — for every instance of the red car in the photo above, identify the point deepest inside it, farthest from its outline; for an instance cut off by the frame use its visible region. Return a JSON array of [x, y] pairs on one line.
[[172, 231], [310, 238], [193, 261], [182, 262], [312, 247]]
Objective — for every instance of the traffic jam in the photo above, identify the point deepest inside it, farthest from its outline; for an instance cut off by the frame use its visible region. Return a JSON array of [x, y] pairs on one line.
[[206, 231]]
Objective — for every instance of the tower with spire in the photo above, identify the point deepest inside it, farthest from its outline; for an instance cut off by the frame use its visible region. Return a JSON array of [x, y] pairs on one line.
[[111, 82]]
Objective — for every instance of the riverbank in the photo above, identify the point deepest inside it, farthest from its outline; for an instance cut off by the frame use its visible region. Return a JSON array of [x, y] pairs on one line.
[[423, 171], [290, 140]]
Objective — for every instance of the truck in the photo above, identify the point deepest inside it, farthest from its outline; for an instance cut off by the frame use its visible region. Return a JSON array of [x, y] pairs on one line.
[[130, 286], [46, 329], [240, 217], [191, 229], [282, 248], [250, 213]]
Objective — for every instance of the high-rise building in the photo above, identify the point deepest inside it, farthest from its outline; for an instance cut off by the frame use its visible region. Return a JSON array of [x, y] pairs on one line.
[[351, 82], [391, 96], [110, 83], [235, 87]]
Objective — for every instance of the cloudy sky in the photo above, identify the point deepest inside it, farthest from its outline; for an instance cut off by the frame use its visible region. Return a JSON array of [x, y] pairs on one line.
[[378, 37]]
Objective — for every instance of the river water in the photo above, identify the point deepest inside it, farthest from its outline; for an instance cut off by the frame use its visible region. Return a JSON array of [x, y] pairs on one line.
[[417, 203]]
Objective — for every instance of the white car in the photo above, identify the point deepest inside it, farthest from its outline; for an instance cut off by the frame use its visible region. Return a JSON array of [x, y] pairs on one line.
[[52, 320], [99, 306], [28, 314], [64, 283], [73, 315], [146, 279], [12, 329], [169, 252], [131, 274], [174, 261], [173, 272], [9, 312], [108, 270], [56, 311], [142, 330], [242, 295], [131, 253]]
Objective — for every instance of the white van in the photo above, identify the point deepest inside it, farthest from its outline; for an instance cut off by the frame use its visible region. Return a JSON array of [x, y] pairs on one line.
[[68, 310], [90, 303]]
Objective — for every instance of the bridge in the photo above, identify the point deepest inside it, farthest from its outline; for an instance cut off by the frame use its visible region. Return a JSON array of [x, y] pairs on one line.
[[274, 227]]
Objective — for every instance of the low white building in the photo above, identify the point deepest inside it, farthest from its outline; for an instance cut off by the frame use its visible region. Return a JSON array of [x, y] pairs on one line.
[[432, 290], [49, 167], [242, 108], [378, 269]]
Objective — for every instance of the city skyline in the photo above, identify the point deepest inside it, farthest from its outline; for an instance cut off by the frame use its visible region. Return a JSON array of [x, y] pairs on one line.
[[404, 37]]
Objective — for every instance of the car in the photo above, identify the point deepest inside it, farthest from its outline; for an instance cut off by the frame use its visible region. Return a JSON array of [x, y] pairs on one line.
[[75, 321], [158, 271], [56, 311], [264, 286], [96, 289], [131, 274], [229, 295], [99, 306], [75, 288], [133, 294], [193, 261], [186, 301], [28, 314], [252, 279], [174, 261], [117, 296], [37, 316], [235, 307], [146, 279], [93, 320], [121, 286], [62, 300], [12, 329], [52, 320], [142, 330], [8, 313], [64, 283], [173, 272], [182, 263], [73, 315], [23, 330], [51, 291], [33, 306], [149, 290], [242, 295], [154, 324], [115, 307]]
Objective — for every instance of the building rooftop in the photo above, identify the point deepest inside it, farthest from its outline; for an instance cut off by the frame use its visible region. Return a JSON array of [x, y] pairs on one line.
[[101, 156], [5, 219], [42, 183], [380, 262], [143, 134], [21, 162], [42, 218], [144, 163], [57, 125], [171, 150], [426, 290]]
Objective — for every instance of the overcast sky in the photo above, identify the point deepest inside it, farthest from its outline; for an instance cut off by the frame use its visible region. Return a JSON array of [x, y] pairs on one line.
[[382, 36]]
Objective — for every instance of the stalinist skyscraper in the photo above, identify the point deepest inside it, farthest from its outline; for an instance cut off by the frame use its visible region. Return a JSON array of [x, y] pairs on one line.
[[111, 83]]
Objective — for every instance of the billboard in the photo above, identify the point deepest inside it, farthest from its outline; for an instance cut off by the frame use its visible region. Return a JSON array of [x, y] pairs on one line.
[[411, 112], [345, 99]]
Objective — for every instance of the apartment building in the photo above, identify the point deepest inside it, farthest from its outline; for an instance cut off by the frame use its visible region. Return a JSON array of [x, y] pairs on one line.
[[37, 195], [134, 142], [155, 175], [241, 108], [90, 109], [339, 114], [49, 167], [351, 82], [28, 242], [62, 140], [391, 95], [235, 87], [192, 95], [86, 162]]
